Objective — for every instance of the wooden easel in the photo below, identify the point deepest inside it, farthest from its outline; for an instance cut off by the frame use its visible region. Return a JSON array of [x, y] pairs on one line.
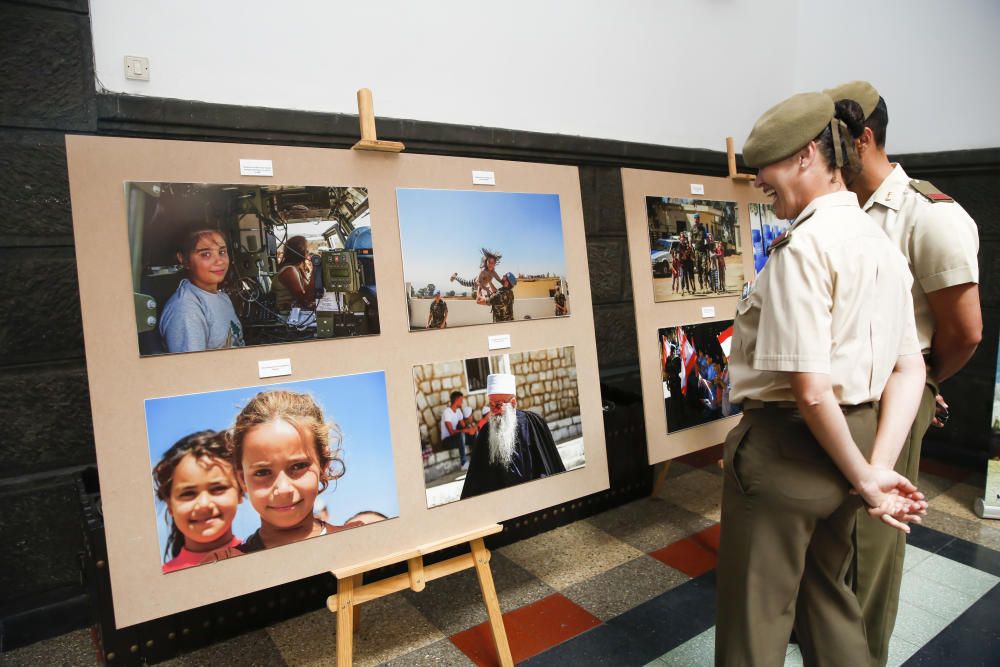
[[366, 117], [351, 592], [661, 477], [731, 157]]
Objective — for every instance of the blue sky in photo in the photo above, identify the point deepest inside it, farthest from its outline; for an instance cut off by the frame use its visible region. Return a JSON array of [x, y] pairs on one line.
[[356, 403], [443, 231]]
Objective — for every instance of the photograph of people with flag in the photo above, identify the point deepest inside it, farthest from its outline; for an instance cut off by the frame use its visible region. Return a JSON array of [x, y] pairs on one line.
[[694, 362], [765, 229]]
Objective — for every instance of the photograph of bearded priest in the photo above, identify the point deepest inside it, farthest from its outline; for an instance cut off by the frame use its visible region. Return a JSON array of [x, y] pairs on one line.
[[513, 447], [490, 423]]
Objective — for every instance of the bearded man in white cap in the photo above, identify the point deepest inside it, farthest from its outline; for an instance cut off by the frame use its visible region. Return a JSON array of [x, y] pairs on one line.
[[514, 446]]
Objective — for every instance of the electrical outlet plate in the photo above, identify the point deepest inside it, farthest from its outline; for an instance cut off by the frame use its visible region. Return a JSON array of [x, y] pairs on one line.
[[137, 67]]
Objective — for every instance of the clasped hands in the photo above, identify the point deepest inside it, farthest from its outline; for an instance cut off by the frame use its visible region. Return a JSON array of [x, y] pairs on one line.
[[892, 498]]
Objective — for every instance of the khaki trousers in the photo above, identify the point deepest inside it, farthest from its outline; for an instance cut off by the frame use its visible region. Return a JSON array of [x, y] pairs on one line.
[[787, 524], [877, 570]]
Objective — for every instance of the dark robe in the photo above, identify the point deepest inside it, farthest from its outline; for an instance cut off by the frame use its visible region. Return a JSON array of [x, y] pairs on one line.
[[535, 456]]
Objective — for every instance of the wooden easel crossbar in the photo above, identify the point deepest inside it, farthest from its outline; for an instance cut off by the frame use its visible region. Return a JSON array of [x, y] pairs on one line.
[[352, 592]]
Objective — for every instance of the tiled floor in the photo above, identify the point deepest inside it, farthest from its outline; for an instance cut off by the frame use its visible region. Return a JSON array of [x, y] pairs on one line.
[[632, 586]]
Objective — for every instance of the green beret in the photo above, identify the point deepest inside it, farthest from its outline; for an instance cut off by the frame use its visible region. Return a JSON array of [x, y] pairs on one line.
[[787, 127], [861, 92]]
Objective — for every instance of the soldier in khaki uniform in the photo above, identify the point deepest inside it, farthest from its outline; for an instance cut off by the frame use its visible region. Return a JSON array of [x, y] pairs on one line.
[[827, 330], [940, 243]]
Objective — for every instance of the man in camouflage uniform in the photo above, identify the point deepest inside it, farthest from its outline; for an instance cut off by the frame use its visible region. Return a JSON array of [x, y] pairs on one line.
[[438, 316], [560, 300], [502, 302]]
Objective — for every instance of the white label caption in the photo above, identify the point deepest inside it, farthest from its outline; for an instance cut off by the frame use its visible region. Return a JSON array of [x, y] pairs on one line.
[[484, 178], [273, 368], [708, 311], [697, 189], [501, 342], [256, 168]]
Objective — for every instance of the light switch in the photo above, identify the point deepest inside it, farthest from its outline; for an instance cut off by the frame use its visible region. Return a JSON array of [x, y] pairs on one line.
[[137, 67]]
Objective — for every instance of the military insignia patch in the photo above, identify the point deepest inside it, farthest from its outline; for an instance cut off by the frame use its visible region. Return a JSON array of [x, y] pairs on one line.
[[930, 193]]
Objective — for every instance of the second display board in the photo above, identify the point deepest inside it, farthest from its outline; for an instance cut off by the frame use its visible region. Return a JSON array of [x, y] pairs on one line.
[[275, 361], [694, 241]]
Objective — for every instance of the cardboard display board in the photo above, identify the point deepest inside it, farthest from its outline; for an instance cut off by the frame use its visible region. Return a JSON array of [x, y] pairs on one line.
[[659, 305], [121, 380]]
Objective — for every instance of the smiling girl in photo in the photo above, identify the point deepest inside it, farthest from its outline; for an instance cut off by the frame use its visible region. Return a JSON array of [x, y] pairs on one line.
[[285, 454], [196, 481], [199, 316]]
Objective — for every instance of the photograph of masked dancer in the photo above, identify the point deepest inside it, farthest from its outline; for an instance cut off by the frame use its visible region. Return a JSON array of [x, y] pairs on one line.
[[472, 257], [310, 458], [694, 361]]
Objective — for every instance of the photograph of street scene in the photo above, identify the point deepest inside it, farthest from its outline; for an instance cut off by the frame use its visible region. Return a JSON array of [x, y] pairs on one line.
[[765, 227], [489, 423], [695, 248], [694, 360], [220, 266], [473, 257]]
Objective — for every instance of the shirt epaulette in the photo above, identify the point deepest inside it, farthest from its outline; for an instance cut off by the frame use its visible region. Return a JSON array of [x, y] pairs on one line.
[[781, 240], [930, 193]]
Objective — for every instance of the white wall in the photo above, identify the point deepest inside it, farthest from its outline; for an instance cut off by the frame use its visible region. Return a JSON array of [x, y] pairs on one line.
[[673, 72], [936, 63]]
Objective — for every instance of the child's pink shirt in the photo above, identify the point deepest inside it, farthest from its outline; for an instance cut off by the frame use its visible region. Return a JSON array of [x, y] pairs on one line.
[[191, 558]]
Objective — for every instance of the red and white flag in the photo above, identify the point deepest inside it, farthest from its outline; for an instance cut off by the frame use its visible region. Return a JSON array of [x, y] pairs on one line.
[[688, 357], [726, 340]]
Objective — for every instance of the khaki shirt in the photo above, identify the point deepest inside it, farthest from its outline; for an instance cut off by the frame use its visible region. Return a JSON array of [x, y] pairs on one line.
[[939, 240], [834, 298]]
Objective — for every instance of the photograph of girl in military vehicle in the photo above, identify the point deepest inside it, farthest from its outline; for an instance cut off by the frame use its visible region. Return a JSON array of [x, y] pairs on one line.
[[473, 257], [695, 248], [220, 266]]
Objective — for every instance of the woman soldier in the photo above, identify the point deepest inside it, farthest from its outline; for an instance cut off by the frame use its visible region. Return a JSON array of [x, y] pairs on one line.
[[827, 331]]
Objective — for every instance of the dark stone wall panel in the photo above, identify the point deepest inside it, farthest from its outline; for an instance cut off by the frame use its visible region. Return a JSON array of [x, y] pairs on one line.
[[989, 274], [34, 187], [616, 340], [608, 263], [603, 203], [41, 538], [46, 60], [40, 311], [78, 6], [47, 420]]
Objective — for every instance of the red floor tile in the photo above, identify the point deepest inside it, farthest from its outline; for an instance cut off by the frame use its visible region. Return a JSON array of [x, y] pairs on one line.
[[702, 458], [531, 629], [694, 555], [709, 538], [945, 470]]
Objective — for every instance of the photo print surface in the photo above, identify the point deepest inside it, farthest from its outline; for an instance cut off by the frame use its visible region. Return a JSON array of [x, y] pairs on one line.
[[765, 227], [473, 257], [695, 248], [221, 266], [243, 470], [694, 361], [996, 399], [490, 423]]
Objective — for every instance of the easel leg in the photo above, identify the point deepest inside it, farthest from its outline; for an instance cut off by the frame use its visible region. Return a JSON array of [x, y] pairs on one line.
[[345, 621], [661, 477], [481, 557], [359, 581]]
